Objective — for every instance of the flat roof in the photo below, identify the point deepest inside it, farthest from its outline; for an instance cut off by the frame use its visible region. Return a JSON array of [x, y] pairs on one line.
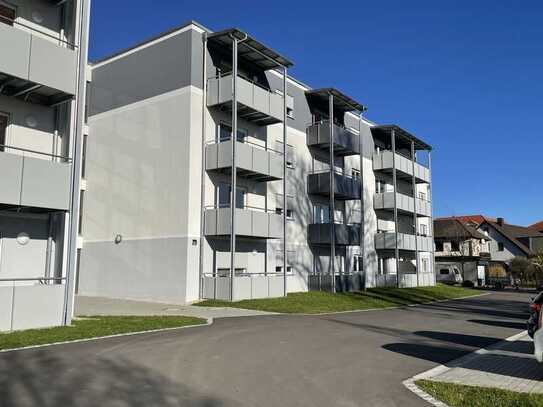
[[341, 100], [402, 133], [249, 49]]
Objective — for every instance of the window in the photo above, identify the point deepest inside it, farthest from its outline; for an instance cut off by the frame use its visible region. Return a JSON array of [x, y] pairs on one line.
[[7, 14], [279, 211], [356, 174], [500, 247], [321, 213], [290, 104], [3, 130], [455, 246], [423, 230], [223, 196], [424, 263], [225, 272], [225, 132], [80, 226], [439, 246], [84, 157], [357, 263], [422, 196], [444, 271]]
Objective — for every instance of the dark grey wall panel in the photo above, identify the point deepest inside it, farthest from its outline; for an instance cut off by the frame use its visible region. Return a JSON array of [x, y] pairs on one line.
[[152, 71]]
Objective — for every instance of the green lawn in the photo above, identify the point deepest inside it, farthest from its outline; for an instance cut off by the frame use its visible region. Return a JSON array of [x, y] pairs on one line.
[[456, 395], [315, 302], [92, 327]]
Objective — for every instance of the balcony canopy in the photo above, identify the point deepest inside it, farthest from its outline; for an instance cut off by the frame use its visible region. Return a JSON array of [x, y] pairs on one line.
[[250, 50], [403, 137], [342, 102]]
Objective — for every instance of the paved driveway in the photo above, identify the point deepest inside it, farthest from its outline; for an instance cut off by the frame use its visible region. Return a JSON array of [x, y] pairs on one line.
[[353, 359]]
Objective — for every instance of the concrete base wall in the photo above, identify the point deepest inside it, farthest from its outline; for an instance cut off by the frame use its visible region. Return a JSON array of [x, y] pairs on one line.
[[142, 269]]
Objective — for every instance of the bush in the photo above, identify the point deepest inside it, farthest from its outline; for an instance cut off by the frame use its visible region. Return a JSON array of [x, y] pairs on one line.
[[468, 284]]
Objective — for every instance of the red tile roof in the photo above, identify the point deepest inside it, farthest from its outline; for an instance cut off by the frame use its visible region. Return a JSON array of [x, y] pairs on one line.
[[537, 226]]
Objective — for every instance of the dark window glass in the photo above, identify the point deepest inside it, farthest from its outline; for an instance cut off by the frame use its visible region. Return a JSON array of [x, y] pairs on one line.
[[7, 14], [500, 247], [3, 129]]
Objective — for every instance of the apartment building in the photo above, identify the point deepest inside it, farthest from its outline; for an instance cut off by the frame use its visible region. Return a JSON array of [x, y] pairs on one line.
[[42, 98], [323, 198]]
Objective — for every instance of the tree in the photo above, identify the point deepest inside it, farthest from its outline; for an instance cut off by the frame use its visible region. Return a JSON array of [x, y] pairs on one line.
[[537, 266], [521, 268]]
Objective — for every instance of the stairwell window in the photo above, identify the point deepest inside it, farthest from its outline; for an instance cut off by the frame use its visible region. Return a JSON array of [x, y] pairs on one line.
[[501, 247], [3, 130], [7, 14]]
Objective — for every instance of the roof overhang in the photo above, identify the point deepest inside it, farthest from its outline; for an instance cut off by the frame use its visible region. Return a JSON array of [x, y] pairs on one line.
[[249, 49], [341, 101], [402, 134]]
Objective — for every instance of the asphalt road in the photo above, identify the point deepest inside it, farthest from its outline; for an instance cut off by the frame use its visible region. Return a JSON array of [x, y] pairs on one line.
[[352, 359]]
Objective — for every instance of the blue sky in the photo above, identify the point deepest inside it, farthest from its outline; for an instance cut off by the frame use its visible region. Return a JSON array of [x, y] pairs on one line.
[[466, 76]]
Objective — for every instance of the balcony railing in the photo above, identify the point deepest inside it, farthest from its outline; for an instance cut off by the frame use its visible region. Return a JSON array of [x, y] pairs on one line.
[[255, 162], [250, 222], [345, 187], [255, 103], [35, 182], [346, 142], [404, 203], [344, 235], [384, 161], [37, 65], [387, 241]]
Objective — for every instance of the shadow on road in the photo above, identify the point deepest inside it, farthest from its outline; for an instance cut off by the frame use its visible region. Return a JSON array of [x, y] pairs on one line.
[[40, 379], [503, 324]]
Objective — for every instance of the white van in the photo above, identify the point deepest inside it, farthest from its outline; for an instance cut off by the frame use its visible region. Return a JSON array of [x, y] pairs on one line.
[[449, 274]]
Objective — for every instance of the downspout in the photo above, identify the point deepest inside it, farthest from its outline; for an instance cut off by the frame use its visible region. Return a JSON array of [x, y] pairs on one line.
[[332, 195], [285, 260]]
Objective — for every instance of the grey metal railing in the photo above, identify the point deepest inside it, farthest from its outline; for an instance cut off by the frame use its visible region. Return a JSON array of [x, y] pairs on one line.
[[4, 147]]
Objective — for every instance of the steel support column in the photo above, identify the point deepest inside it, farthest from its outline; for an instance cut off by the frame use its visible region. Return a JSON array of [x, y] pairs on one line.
[[332, 197], [362, 209], [76, 138], [202, 171], [395, 185], [285, 260], [414, 183], [233, 139], [431, 223]]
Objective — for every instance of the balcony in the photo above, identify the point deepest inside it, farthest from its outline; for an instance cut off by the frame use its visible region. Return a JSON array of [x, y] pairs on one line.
[[253, 162], [345, 188], [255, 103], [34, 182], [404, 203], [34, 65], [345, 235], [250, 222], [384, 161], [345, 142], [386, 241]]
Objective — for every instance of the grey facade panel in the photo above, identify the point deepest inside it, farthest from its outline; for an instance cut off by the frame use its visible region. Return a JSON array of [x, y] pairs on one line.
[[15, 44], [11, 164], [156, 70], [45, 184], [37, 306], [52, 65]]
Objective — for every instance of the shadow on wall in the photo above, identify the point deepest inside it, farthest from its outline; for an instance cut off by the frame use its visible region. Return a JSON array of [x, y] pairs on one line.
[[46, 378]]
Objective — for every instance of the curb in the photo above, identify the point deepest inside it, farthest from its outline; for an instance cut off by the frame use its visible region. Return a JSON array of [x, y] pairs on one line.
[[208, 322], [410, 383]]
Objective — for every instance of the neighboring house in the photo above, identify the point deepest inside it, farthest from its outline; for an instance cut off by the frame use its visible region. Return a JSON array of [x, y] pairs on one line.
[[42, 97], [458, 243], [323, 198], [537, 226], [510, 241]]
